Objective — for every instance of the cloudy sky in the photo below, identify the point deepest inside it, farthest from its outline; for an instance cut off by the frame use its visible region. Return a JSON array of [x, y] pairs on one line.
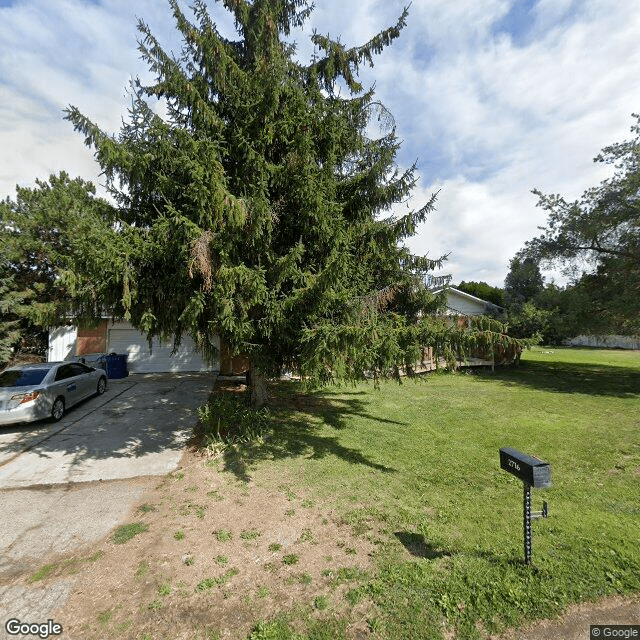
[[492, 98]]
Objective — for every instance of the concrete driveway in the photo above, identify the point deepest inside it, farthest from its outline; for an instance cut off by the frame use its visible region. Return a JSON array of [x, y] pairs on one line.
[[137, 428], [68, 484]]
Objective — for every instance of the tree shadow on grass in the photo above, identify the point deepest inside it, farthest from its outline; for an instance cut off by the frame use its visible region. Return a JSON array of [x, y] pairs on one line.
[[417, 546], [561, 377], [298, 420]]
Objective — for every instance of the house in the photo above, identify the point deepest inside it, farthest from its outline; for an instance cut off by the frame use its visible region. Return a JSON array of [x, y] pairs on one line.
[[464, 304], [69, 342]]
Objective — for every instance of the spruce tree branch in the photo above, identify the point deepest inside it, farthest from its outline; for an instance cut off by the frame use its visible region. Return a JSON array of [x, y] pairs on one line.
[[345, 63]]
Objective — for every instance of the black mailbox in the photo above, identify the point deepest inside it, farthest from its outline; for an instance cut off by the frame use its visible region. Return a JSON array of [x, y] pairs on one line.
[[530, 470]]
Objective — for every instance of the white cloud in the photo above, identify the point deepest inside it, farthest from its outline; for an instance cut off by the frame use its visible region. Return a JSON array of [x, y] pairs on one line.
[[505, 119]]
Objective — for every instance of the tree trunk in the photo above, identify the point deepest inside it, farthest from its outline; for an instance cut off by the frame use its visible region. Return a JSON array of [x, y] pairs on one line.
[[258, 385]]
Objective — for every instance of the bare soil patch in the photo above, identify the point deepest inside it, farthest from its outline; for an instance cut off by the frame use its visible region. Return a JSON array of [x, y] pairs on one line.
[[217, 556]]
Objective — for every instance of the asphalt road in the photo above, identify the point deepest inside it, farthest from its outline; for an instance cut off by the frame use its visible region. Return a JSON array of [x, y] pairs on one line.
[[65, 485]]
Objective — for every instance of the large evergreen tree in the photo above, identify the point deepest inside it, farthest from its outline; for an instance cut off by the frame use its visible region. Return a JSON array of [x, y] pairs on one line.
[[252, 198]]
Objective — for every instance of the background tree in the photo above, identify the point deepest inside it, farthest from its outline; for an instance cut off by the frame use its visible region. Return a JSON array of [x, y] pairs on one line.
[[597, 240], [523, 282], [54, 254], [522, 286], [253, 207], [483, 291], [562, 311], [14, 332], [543, 312]]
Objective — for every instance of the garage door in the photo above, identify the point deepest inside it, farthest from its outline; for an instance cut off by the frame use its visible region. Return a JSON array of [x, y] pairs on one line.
[[141, 359]]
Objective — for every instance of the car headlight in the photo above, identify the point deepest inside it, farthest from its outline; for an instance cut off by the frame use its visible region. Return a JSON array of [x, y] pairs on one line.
[[21, 398]]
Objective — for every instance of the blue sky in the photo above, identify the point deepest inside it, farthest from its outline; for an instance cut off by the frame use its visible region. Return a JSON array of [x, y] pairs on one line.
[[492, 98]]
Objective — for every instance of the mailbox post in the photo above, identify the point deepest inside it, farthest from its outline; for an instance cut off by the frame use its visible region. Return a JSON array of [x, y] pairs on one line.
[[534, 473]]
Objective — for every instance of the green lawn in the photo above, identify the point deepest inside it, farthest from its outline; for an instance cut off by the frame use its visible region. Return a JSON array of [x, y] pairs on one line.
[[420, 462]]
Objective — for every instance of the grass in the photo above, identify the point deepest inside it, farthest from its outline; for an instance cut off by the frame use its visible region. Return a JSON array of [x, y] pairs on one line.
[[220, 581], [127, 531], [412, 470], [105, 616], [306, 535], [420, 462], [250, 534], [143, 570], [146, 508], [44, 572], [70, 566]]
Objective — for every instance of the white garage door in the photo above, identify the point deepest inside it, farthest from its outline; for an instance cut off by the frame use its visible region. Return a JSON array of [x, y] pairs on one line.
[[123, 339]]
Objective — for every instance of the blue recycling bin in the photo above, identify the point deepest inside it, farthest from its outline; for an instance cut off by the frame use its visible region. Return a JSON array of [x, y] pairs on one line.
[[115, 365]]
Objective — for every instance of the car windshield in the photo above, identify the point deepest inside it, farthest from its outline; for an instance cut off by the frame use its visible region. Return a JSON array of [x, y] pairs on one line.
[[22, 377]]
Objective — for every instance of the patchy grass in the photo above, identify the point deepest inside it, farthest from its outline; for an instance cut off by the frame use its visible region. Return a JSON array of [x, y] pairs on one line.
[[408, 475], [222, 535], [142, 570], [43, 572], [127, 531], [250, 534], [146, 508], [220, 581], [66, 567]]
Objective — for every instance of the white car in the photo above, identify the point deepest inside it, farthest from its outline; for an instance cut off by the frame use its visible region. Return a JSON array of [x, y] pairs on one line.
[[37, 391]]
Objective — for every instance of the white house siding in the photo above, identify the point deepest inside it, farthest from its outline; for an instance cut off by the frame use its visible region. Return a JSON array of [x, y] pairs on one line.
[[464, 304], [122, 338], [62, 343], [610, 342]]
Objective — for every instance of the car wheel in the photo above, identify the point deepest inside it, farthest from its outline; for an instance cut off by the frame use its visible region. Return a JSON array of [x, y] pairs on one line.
[[102, 386], [57, 410]]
